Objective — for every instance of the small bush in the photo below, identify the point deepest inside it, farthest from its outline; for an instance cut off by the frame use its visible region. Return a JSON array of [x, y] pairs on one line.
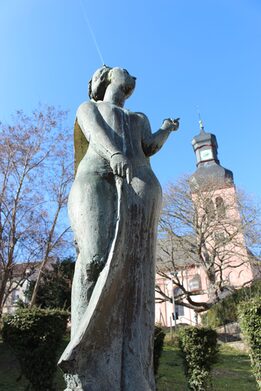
[[159, 336], [34, 336], [199, 351], [250, 322]]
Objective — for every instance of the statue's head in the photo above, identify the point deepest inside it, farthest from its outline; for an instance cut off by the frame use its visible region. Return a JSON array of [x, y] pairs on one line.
[[99, 82], [107, 75]]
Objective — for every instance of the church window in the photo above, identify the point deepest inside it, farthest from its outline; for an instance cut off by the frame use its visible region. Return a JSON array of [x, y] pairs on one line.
[[210, 210], [179, 309], [195, 283], [221, 213], [219, 238], [15, 296]]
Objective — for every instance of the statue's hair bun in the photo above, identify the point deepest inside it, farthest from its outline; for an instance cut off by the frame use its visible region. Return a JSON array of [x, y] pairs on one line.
[[98, 83]]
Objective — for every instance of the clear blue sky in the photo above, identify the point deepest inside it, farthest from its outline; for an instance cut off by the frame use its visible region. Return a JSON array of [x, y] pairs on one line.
[[185, 53]]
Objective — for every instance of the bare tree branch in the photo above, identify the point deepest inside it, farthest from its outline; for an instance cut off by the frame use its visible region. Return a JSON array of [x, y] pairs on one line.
[[35, 173]]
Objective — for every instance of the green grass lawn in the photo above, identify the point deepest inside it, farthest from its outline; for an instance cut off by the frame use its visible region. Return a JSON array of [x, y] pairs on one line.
[[232, 372]]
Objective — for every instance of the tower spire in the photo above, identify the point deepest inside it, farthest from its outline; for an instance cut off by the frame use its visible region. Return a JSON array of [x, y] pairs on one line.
[[201, 126]]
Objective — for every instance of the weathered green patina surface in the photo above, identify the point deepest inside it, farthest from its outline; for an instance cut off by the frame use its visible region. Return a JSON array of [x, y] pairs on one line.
[[114, 208]]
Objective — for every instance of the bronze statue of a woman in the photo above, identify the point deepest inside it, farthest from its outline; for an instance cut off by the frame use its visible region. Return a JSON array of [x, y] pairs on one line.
[[114, 207]]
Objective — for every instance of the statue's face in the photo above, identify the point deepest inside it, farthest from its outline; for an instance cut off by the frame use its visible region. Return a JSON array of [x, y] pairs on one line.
[[122, 79]]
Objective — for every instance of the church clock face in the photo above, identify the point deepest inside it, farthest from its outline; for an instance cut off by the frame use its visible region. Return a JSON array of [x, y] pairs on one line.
[[206, 154]]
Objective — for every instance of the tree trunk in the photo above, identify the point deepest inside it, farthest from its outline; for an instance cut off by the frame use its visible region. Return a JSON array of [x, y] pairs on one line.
[[2, 290]]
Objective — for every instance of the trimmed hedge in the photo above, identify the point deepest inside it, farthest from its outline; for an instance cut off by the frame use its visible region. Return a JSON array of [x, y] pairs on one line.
[[250, 323], [159, 336], [226, 311], [34, 336], [199, 351]]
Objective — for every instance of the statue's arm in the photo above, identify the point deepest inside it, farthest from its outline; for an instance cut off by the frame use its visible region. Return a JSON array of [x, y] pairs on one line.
[[96, 130], [100, 136], [152, 142]]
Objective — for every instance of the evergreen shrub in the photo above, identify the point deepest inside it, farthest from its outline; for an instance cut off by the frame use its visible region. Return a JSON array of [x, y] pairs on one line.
[[34, 336], [159, 336], [226, 311], [250, 323], [199, 351]]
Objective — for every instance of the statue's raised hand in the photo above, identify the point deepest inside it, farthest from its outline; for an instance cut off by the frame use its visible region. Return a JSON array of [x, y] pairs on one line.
[[170, 124], [121, 166]]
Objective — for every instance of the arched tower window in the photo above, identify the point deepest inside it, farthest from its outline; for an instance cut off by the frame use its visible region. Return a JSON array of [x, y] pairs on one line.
[[210, 210], [221, 212]]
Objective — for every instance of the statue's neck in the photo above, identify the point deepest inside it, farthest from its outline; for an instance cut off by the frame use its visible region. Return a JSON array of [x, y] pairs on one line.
[[115, 96]]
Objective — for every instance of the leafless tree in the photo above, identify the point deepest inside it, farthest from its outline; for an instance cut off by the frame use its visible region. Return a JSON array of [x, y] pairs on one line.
[[213, 228], [35, 171]]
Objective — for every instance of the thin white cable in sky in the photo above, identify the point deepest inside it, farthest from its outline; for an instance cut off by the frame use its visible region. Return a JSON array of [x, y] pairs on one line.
[[91, 32]]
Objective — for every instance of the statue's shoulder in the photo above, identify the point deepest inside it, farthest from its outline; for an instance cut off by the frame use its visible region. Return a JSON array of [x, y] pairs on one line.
[[142, 116], [85, 107], [143, 121]]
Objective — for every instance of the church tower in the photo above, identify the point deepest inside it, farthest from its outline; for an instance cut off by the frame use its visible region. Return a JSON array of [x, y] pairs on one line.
[[215, 199]]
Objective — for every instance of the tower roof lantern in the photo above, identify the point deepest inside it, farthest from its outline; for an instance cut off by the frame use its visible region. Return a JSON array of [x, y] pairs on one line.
[[208, 166], [204, 138]]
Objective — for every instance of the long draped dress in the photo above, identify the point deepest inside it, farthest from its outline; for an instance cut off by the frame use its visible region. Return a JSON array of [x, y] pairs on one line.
[[115, 227]]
